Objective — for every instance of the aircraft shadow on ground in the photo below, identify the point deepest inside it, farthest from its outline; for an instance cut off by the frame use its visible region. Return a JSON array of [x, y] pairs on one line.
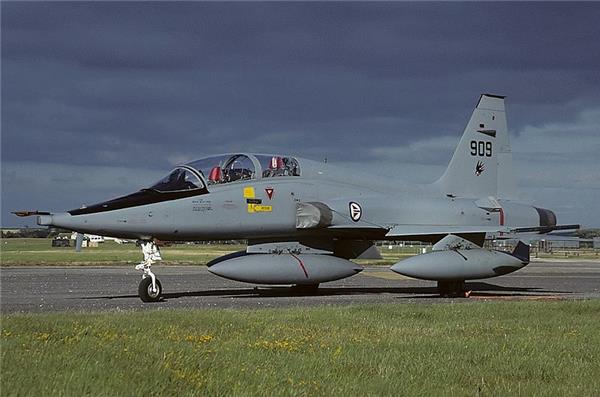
[[477, 288]]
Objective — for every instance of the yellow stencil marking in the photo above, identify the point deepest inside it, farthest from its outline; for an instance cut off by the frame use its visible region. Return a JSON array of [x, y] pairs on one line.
[[259, 208], [249, 192]]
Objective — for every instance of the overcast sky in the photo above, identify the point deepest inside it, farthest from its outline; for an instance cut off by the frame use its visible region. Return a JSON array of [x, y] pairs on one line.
[[101, 99]]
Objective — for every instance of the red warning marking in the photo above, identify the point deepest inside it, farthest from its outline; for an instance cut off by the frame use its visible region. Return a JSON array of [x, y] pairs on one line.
[[301, 264], [270, 192], [501, 216]]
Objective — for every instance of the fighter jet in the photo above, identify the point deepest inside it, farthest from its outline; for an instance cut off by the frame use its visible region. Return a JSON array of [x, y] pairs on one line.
[[304, 220]]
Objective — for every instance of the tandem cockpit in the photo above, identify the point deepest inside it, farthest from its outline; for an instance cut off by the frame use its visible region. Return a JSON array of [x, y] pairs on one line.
[[200, 176], [217, 170]]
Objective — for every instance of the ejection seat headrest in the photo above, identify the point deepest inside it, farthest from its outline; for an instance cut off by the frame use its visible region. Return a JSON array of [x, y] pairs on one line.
[[276, 163], [215, 174]]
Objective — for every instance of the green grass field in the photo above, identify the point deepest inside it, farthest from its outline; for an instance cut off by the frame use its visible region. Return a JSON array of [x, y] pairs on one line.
[[38, 251], [499, 348]]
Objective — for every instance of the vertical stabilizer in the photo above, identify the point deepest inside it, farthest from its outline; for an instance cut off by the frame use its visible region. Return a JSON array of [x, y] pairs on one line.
[[482, 162]]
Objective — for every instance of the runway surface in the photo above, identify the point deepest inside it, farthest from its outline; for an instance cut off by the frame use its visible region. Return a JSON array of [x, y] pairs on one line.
[[44, 289]]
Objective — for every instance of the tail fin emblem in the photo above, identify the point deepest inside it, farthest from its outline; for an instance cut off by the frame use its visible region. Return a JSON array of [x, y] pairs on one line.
[[491, 133], [479, 168]]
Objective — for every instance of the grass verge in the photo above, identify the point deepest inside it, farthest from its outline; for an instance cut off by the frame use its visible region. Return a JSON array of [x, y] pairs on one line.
[[34, 252], [499, 348], [39, 252]]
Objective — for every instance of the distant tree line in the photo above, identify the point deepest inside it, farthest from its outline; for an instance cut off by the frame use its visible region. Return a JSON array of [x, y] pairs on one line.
[[27, 232], [587, 233]]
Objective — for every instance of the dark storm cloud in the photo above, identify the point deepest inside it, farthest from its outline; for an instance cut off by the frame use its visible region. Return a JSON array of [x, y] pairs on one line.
[[365, 36], [144, 85]]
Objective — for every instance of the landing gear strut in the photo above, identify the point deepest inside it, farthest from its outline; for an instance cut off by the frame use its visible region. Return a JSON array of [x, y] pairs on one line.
[[453, 289], [150, 289]]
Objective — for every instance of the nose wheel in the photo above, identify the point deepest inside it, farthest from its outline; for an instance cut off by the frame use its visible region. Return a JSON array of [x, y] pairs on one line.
[[150, 291]]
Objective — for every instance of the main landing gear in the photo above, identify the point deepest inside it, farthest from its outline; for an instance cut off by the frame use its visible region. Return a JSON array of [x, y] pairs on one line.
[[453, 289], [150, 289]]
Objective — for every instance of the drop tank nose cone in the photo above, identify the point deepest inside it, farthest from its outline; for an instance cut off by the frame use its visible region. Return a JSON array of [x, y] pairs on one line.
[[396, 268], [409, 267]]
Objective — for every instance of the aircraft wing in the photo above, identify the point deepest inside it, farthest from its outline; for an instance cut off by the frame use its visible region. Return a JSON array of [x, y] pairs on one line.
[[545, 229], [423, 230], [418, 230]]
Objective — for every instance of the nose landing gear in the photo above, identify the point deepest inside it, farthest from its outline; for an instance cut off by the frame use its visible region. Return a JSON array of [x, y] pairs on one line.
[[149, 289]]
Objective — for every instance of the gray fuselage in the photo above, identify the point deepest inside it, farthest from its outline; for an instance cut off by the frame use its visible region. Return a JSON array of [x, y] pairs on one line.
[[267, 208]]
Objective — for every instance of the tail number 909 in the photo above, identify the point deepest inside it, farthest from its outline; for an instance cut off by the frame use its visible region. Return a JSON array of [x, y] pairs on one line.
[[481, 148]]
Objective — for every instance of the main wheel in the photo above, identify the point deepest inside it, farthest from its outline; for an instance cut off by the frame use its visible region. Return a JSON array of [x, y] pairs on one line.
[[146, 292], [453, 289]]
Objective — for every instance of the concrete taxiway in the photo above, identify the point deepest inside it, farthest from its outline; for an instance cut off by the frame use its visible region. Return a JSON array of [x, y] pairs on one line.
[[44, 289]]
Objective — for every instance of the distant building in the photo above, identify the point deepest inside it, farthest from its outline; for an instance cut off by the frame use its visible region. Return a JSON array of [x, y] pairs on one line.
[[92, 238], [549, 245]]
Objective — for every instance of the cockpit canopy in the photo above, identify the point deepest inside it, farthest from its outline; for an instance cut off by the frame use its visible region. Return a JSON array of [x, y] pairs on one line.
[[180, 179], [192, 179], [225, 169], [278, 166], [240, 167]]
